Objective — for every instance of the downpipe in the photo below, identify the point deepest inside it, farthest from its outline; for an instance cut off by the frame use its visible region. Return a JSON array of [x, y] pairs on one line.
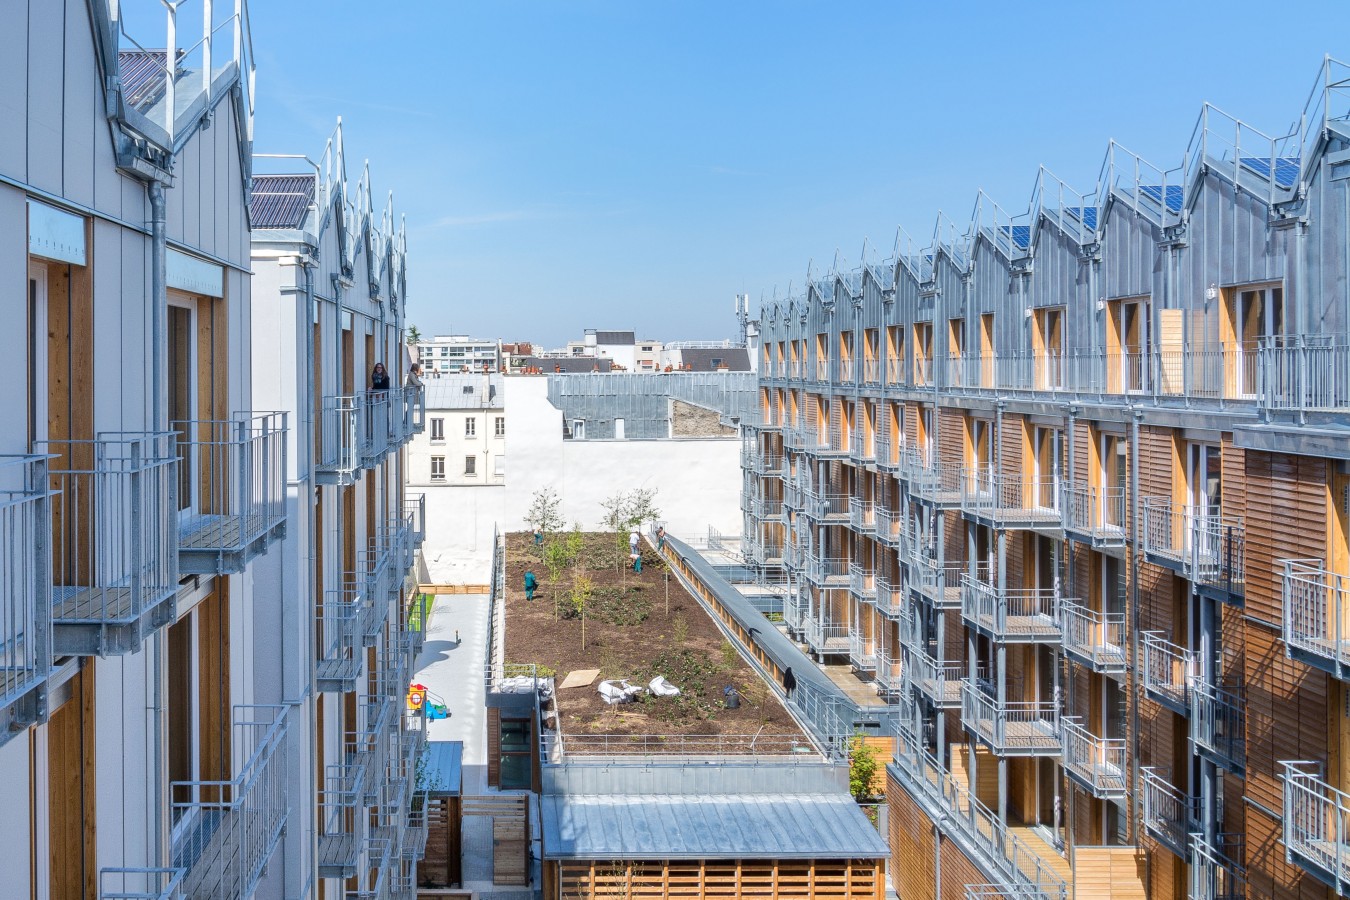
[[159, 401]]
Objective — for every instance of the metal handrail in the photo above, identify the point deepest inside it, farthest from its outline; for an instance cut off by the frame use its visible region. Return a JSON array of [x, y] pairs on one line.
[[148, 883], [1098, 762], [1036, 723], [26, 576], [1168, 814], [1011, 614], [1095, 511], [1218, 724], [1317, 823], [1096, 636], [1208, 546], [1167, 671], [1316, 613]]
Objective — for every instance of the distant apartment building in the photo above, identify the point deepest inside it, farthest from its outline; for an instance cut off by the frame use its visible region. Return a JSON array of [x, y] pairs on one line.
[[1072, 487], [706, 356], [459, 353], [465, 438]]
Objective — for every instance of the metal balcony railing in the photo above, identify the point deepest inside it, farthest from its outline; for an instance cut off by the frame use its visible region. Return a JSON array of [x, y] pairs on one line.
[[1010, 501], [1094, 638], [940, 583], [794, 369], [939, 682], [826, 637], [890, 598], [934, 480], [414, 410], [225, 831], [25, 589], [822, 369], [885, 451], [888, 670], [1168, 813], [114, 541], [846, 369], [1317, 824], [1202, 545], [374, 746], [1011, 616], [342, 813], [1098, 764], [415, 509], [1215, 873], [342, 424], [415, 836], [862, 447], [140, 884], [1167, 672], [1095, 514], [1317, 615], [795, 607], [826, 506], [862, 581], [377, 872], [871, 371], [766, 507], [862, 650], [232, 488], [376, 579], [999, 891], [339, 640], [1218, 725], [888, 525], [1023, 872], [862, 515], [1023, 728], [827, 570]]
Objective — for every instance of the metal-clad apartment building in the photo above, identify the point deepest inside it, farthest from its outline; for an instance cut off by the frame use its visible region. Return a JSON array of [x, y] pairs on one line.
[[1072, 486], [161, 677]]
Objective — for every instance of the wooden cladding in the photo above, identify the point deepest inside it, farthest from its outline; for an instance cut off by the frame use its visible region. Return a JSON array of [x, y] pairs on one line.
[[72, 862], [1286, 506], [787, 878]]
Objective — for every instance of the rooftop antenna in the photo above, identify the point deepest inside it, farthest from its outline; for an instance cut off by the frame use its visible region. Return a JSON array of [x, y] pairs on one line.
[[743, 318]]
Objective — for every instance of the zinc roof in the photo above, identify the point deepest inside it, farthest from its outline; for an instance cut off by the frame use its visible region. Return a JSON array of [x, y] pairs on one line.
[[281, 201], [726, 826]]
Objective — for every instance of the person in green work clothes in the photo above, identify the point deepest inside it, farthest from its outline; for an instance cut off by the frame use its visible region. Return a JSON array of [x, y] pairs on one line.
[[530, 584]]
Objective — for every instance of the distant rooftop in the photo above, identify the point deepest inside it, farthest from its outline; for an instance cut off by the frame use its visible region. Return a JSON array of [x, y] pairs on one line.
[[569, 364], [280, 201], [621, 338], [463, 391], [736, 359]]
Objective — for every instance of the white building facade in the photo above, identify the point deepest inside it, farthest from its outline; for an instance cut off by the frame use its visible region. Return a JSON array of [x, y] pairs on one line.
[[446, 354], [465, 439]]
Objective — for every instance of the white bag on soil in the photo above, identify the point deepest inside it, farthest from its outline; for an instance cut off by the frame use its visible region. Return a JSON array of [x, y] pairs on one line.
[[619, 692], [662, 688]]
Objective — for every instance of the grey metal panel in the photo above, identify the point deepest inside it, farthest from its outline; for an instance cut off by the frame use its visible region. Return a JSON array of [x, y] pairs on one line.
[[81, 109], [45, 83], [697, 776], [643, 400], [14, 99], [710, 826], [443, 764]]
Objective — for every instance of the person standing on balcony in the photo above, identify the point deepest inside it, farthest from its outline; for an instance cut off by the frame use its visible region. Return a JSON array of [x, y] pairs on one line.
[[415, 376], [379, 378]]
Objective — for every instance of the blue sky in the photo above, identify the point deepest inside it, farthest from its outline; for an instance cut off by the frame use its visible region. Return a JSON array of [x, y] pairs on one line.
[[635, 164]]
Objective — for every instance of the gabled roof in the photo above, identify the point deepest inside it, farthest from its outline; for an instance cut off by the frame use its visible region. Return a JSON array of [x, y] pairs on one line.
[[707, 826], [281, 201]]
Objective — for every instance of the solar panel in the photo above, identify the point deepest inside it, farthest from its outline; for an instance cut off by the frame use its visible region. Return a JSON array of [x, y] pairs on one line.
[[280, 201], [1155, 193], [1286, 169]]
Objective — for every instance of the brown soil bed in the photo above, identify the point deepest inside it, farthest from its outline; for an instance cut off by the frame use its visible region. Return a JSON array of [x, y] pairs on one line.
[[630, 634]]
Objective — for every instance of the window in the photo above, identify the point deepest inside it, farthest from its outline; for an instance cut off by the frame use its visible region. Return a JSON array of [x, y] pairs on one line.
[[499, 426], [438, 430], [470, 427], [1048, 345], [619, 429], [579, 429], [470, 465], [438, 468]]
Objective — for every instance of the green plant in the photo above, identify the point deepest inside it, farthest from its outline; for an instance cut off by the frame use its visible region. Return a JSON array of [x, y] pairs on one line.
[[862, 769], [680, 631], [582, 586], [545, 513], [729, 655]]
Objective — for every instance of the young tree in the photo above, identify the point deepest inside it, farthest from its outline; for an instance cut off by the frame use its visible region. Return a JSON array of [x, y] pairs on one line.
[[555, 561], [414, 336], [545, 513], [615, 519], [642, 507], [582, 586]]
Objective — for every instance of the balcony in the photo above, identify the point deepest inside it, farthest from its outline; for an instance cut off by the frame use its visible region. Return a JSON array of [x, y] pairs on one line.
[[114, 541], [415, 836], [1098, 764], [862, 449], [795, 607], [1028, 728], [826, 638], [414, 411], [26, 576], [933, 480], [1024, 616], [415, 513], [1317, 825], [862, 516], [1007, 501], [827, 571], [1200, 544], [1218, 726], [939, 682], [862, 650], [225, 831], [232, 487], [821, 370], [888, 671], [862, 582], [939, 583], [871, 371], [1170, 816], [826, 507], [766, 507], [889, 598], [886, 455], [1216, 873], [377, 873], [1095, 639], [140, 884], [376, 579], [1317, 616], [767, 464], [340, 618], [342, 422], [1095, 516], [1167, 671], [342, 810], [888, 525]]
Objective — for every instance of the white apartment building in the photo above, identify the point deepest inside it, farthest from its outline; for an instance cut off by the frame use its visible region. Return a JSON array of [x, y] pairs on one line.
[[465, 439], [142, 491], [330, 283], [459, 353]]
